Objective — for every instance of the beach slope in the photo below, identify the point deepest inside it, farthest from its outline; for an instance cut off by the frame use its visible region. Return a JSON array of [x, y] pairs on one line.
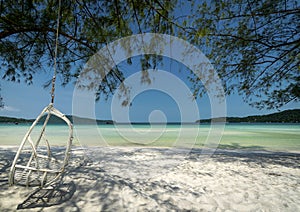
[[154, 179]]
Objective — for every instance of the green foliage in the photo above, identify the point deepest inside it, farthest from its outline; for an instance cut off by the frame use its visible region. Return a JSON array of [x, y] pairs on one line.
[[27, 34], [254, 45], [287, 116], [4, 119], [54, 120]]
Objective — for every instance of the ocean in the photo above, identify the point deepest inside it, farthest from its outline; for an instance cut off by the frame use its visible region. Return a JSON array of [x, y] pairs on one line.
[[271, 137]]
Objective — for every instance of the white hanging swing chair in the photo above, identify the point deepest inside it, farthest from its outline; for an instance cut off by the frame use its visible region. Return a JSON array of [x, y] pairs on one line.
[[35, 164]]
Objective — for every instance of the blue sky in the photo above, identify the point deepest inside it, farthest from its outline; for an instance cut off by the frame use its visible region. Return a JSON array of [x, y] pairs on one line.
[[25, 101]]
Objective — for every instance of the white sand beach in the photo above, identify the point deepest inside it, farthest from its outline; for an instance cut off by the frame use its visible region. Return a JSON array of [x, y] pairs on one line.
[[154, 179]]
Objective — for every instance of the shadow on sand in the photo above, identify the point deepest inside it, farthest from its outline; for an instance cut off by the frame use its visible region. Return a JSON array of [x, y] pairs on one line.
[[254, 154], [54, 194], [90, 179]]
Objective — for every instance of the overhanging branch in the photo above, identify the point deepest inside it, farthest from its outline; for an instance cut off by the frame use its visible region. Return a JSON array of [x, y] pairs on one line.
[[6, 33]]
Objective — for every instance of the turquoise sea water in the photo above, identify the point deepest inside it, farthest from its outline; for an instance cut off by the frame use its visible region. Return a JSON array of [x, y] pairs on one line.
[[276, 137]]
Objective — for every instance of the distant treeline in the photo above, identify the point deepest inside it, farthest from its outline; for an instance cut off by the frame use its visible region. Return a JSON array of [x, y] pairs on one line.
[[287, 116], [4, 119], [55, 120]]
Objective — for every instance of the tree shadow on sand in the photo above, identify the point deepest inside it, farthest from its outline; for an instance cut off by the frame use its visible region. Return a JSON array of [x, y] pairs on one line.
[[99, 178], [105, 176], [253, 154], [6, 158], [54, 194]]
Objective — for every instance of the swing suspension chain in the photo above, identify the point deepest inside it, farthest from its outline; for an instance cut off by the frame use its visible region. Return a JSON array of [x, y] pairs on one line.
[[55, 54]]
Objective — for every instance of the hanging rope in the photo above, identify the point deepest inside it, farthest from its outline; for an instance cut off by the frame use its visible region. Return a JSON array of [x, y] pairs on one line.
[[55, 54], [34, 163]]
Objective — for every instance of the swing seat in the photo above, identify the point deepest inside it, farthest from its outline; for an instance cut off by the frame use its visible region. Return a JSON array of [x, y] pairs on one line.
[[35, 164]]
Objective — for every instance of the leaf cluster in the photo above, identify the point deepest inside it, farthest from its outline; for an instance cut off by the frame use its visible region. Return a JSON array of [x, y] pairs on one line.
[[255, 47], [253, 44]]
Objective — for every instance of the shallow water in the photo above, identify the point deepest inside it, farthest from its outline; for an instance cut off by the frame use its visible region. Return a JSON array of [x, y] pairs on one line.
[[276, 137]]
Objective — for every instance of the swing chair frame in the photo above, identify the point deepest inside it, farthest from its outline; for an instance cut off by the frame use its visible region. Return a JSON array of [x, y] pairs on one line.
[[34, 158]]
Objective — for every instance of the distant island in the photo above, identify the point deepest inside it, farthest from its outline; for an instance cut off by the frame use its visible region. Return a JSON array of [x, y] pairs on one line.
[[54, 120], [287, 116]]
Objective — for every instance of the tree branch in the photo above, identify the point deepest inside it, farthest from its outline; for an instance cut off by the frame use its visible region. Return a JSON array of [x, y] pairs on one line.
[[286, 12], [7, 33]]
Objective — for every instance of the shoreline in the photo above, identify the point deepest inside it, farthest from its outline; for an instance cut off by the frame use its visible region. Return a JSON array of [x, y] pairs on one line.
[[198, 150]]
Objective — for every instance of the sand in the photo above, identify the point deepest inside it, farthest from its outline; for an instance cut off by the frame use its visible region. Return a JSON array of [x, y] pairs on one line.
[[157, 179]]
